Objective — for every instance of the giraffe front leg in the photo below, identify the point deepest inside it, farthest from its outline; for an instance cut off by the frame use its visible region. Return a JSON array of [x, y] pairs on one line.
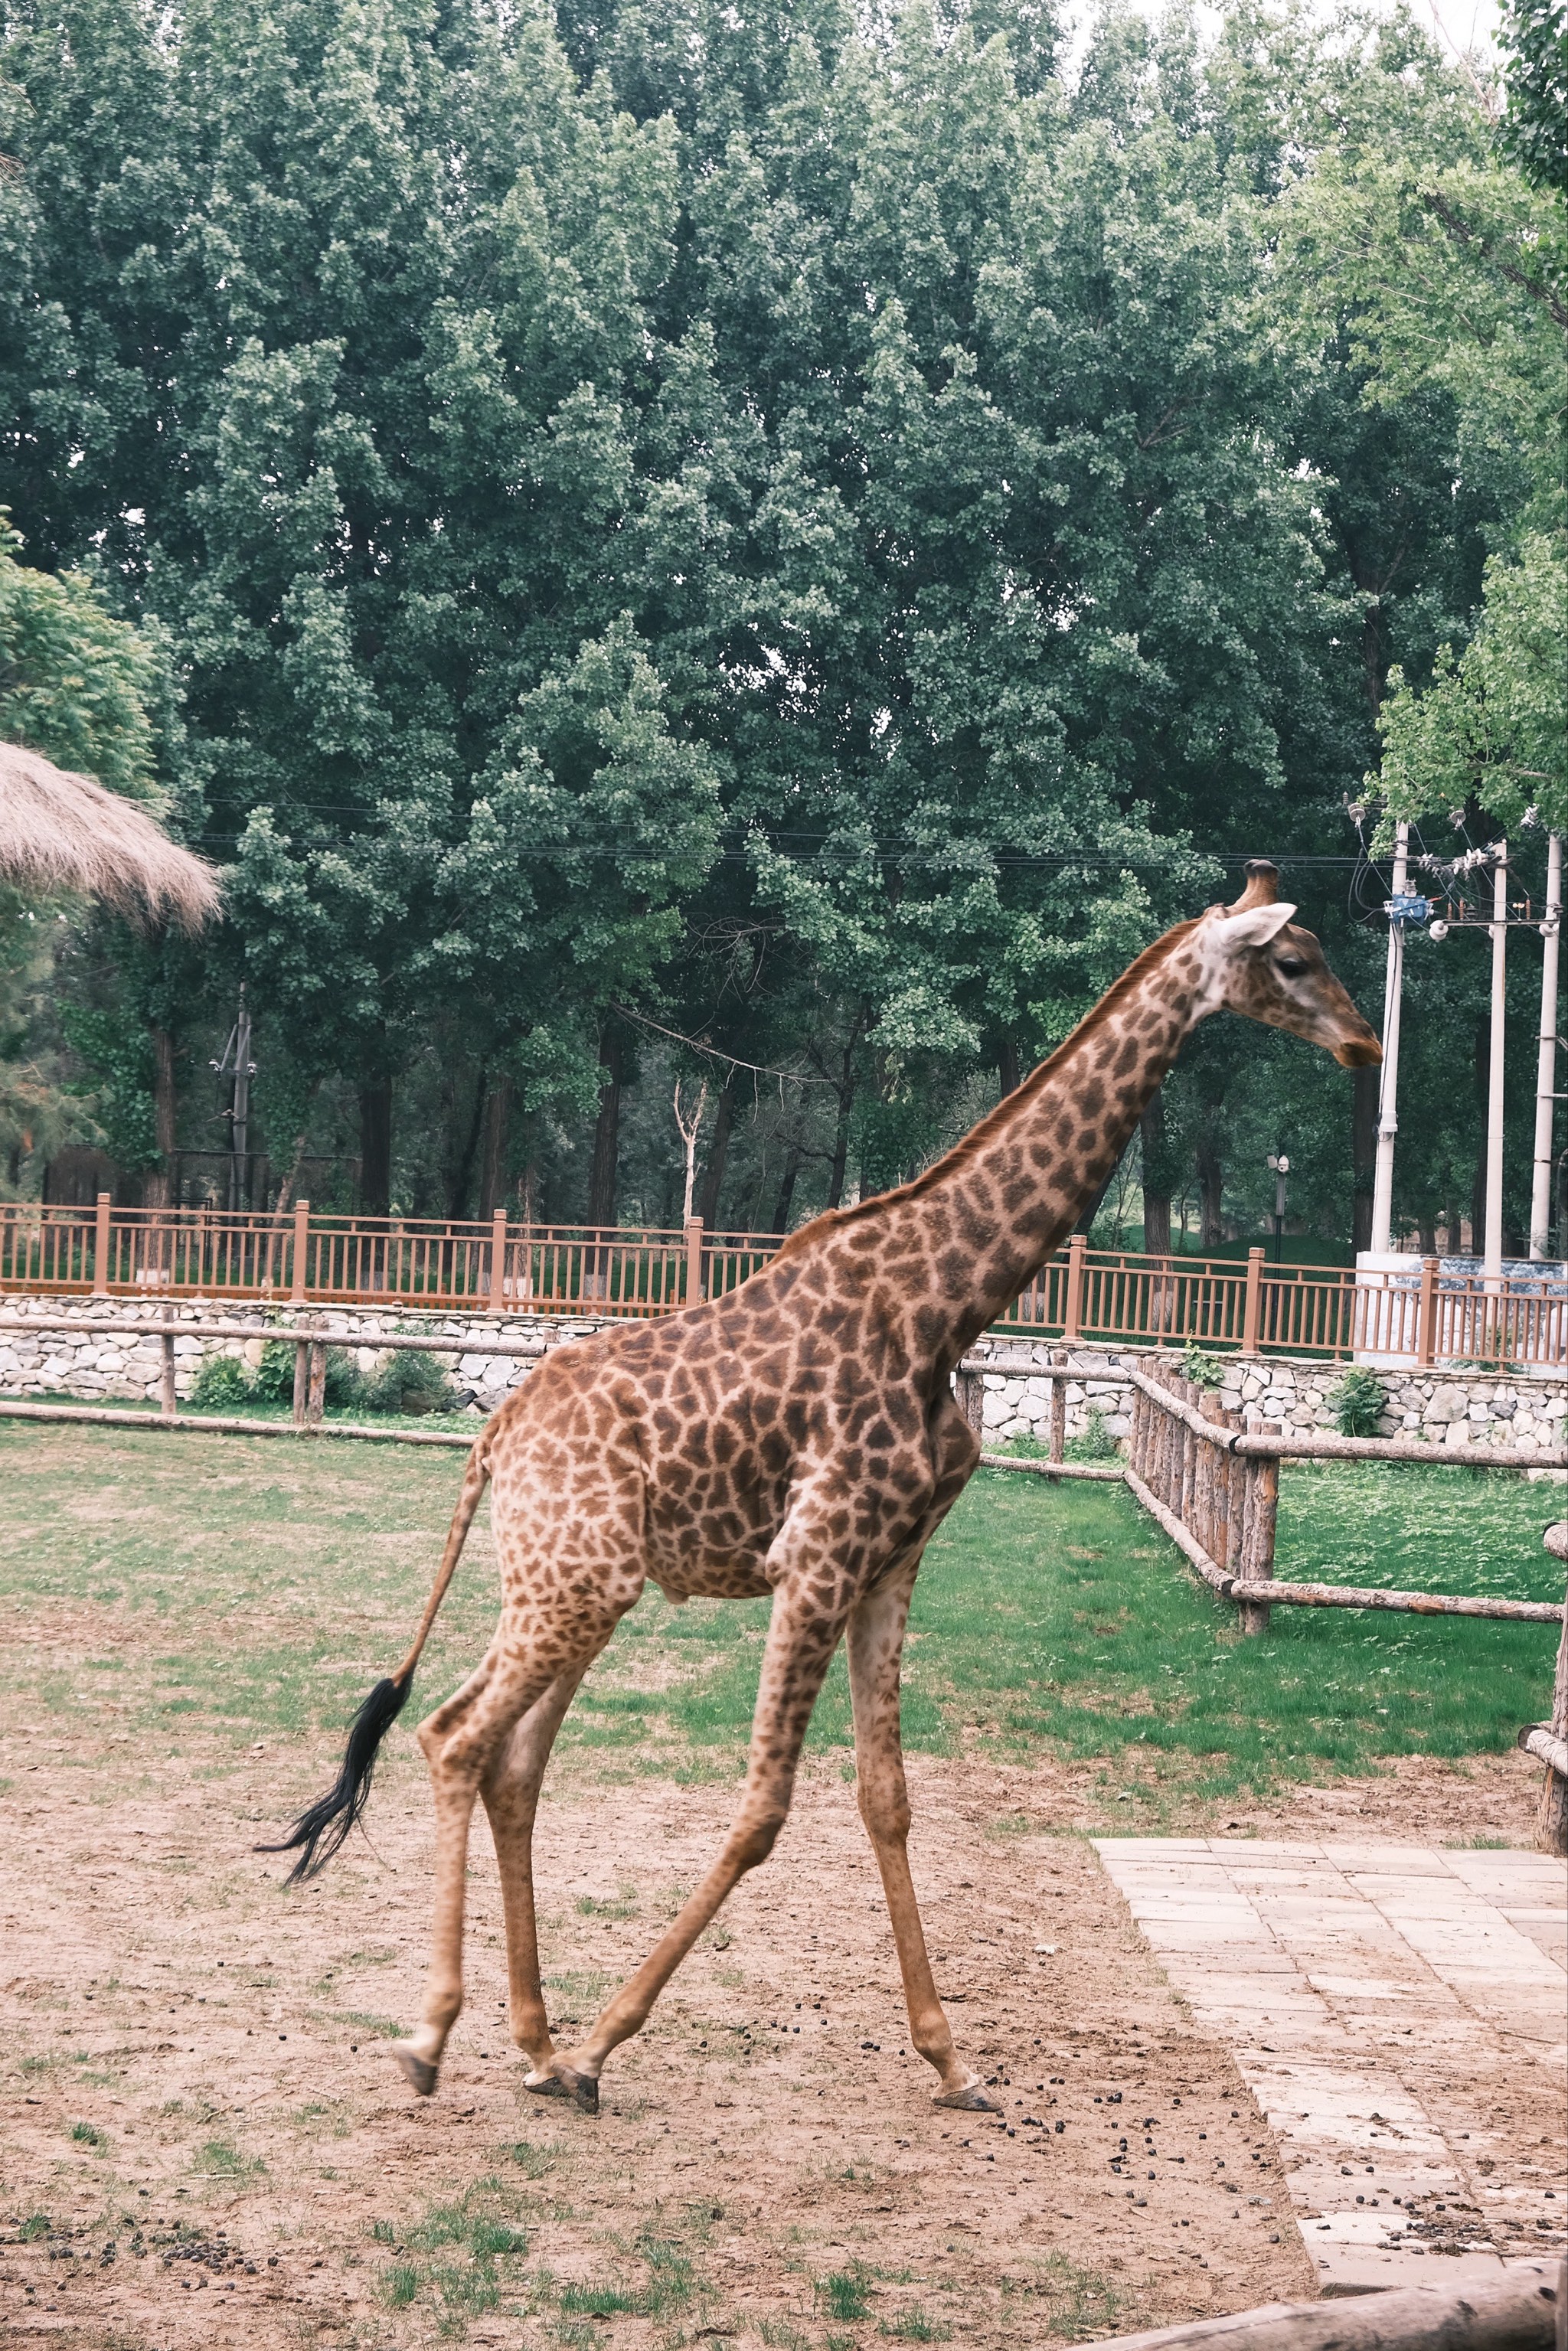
[[802, 1634], [875, 1647]]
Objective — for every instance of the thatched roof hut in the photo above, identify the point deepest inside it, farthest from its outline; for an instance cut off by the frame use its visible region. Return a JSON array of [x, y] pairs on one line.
[[61, 831]]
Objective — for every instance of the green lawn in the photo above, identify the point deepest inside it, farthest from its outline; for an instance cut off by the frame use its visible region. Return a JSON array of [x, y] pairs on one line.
[[217, 1590]]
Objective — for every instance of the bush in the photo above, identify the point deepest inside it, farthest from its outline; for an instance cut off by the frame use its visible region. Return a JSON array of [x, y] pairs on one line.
[[1096, 1444], [274, 1381], [223, 1385], [410, 1381], [1204, 1369], [1357, 1403]]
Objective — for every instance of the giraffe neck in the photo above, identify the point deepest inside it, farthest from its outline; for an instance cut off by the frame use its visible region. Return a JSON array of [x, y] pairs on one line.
[[989, 1214]]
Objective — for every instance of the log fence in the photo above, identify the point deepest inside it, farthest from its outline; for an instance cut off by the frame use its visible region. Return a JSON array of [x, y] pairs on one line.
[[1418, 1317]]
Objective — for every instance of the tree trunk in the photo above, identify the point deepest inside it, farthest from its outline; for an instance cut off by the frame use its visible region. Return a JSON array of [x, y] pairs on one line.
[[1007, 1072], [707, 1203], [1210, 1190], [498, 1120], [375, 1148], [1362, 1153], [1478, 1185], [606, 1134], [842, 1135], [463, 1174], [787, 1183], [158, 1184], [1156, 1179]]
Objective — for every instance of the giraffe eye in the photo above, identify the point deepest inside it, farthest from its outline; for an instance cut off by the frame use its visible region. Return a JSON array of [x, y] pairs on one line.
[[1289, 966]]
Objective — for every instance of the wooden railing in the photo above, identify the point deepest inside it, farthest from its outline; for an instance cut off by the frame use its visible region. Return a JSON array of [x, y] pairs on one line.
[[1419, 1317]]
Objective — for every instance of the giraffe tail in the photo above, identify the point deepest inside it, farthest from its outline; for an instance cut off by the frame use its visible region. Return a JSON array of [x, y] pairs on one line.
[[322, 1828]]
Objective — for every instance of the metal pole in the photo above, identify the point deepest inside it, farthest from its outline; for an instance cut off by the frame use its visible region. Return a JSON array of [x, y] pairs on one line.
[[1546, 1060], [1388, 1088], [240, 1133], [1492, 1267]]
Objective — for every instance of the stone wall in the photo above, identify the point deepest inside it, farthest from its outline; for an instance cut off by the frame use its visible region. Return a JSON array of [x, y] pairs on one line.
[[1526, 1412], [126, 1365]]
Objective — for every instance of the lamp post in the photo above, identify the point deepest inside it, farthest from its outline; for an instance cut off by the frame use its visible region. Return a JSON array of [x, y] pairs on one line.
[[1281, 1167]]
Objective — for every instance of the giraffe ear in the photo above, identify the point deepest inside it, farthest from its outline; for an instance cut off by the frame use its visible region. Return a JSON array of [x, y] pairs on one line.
[[1256, 927]]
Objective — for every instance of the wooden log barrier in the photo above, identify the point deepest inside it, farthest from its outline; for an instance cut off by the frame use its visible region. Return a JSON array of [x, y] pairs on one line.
[[193, 1424], [1108, 1473], [1408, 1604], [1519, 2311]]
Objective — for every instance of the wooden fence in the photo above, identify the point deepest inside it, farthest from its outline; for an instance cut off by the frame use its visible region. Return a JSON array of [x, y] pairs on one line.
[[1418, 1319]]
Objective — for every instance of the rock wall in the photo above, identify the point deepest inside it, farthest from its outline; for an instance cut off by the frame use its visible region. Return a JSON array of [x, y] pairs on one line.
[[126, 1365], [1525, 1412]]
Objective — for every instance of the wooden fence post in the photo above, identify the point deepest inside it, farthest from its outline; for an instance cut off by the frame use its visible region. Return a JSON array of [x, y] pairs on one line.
[[101, 1247], [301, 1380], [1235, 1502], [1073, 1316], [315, 1395], [301, 1245], [1258, 1551], [694, 1260], [1426, 1314], [498, 1261], [1059, 1407], [167, 1396], [1252, 1310]]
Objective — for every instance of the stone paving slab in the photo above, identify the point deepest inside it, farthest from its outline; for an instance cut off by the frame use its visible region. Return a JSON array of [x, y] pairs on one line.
[[1388, 2007]]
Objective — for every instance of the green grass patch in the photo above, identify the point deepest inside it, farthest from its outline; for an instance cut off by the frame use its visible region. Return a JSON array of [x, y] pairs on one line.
[[227, 1593]]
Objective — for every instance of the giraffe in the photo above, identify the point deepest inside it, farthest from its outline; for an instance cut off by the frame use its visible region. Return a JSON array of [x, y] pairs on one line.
[[795, 1440]]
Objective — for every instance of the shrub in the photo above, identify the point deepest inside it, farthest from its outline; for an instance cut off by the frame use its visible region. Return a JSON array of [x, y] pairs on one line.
[[1096, 1444], [1204, 1369], [410, 1381], [274, 1381], [223, 1385], [1357, 1403]]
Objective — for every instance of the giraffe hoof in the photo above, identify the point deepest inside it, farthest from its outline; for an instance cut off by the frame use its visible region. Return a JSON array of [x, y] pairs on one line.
[[566, 2082], [971, 2099], [417, 2071]]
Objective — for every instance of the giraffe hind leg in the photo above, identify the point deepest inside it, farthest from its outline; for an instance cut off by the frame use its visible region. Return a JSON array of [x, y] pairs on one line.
[[510, 1790], [460, 1740]]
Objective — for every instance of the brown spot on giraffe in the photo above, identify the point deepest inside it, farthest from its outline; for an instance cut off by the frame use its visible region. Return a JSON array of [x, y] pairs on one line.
[[798, 1440]]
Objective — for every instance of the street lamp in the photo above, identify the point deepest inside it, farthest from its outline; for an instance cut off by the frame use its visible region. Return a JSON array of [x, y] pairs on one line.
[[1281, 1167]]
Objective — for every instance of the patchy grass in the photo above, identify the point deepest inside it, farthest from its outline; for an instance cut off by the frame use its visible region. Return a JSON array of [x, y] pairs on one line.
[[229, 1591]]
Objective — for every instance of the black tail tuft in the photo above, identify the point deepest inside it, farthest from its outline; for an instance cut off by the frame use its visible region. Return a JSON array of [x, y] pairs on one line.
[[319, 1832]]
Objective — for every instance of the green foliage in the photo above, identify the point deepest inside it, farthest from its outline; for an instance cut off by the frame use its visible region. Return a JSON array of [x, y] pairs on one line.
[[1493, 725], [74, 683], [1096, 1443], [409, 1381], [223, 1385], [272, 1380], [1204, 1369], [1358, 1402], [1533, 34]]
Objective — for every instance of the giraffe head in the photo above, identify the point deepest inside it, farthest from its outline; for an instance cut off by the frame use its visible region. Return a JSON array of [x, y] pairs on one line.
[[1257, 962]]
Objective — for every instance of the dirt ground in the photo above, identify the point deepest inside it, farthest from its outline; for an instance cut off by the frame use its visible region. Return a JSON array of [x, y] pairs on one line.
[[767, 2167]]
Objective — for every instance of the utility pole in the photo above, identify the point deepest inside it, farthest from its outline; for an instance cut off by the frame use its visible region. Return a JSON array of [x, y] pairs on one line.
[[1546, 1059], [1388, 1088], [237, 1064], [1492, 1264]]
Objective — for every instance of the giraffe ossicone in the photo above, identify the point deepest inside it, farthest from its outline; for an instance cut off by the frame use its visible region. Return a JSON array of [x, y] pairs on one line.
[[795, 1440]]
